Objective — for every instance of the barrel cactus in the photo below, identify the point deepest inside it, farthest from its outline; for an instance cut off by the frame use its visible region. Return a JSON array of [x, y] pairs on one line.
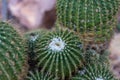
[[39, 76], [59, 53], [31, 38], [92, 19], [12, 54], [94, 71], [91, 56]]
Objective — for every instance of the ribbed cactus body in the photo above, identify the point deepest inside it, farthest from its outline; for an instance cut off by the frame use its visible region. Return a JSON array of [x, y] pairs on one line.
[[93, 19], [95, 71], [12, 54], [58, 53], [39, 76]]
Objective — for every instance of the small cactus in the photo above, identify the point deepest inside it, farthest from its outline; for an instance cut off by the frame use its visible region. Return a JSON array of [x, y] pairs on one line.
[[31, 39], [94, 71], [39, 76], [59, 53], [91, 56], [92, 19], [12, 54]]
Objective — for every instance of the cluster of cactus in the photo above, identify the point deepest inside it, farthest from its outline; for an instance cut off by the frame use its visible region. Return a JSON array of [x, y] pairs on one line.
[[93, 20], [60, 52], [57, 55], [12, 54]]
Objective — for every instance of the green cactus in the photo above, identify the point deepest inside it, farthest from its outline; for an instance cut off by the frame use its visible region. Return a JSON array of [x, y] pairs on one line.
[[95, 71], [39, 76], [35, 34], [91, 56], [31, 38], [92, 19], [59, 53], [12, 54]]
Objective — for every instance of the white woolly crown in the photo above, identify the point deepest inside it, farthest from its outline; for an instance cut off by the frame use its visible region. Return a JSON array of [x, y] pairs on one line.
[[57, 44]]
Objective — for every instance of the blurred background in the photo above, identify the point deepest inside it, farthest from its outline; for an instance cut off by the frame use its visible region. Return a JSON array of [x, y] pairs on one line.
[[27, 15]]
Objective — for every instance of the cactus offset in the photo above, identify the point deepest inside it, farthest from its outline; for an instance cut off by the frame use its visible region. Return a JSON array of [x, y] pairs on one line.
[[32, 37], [12, 54], [95, 71], [92, 19], [91, 56], [58, 53]]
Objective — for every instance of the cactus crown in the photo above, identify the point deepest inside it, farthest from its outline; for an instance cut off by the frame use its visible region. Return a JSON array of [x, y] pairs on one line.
[[12, 53], [57, 44]]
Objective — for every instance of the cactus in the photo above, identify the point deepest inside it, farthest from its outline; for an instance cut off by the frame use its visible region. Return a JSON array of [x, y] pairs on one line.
[[94, 71], [39, 76], [12, 54], [31, 38], [59, 53], [92, 19], [91, 56], [35, 34]]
